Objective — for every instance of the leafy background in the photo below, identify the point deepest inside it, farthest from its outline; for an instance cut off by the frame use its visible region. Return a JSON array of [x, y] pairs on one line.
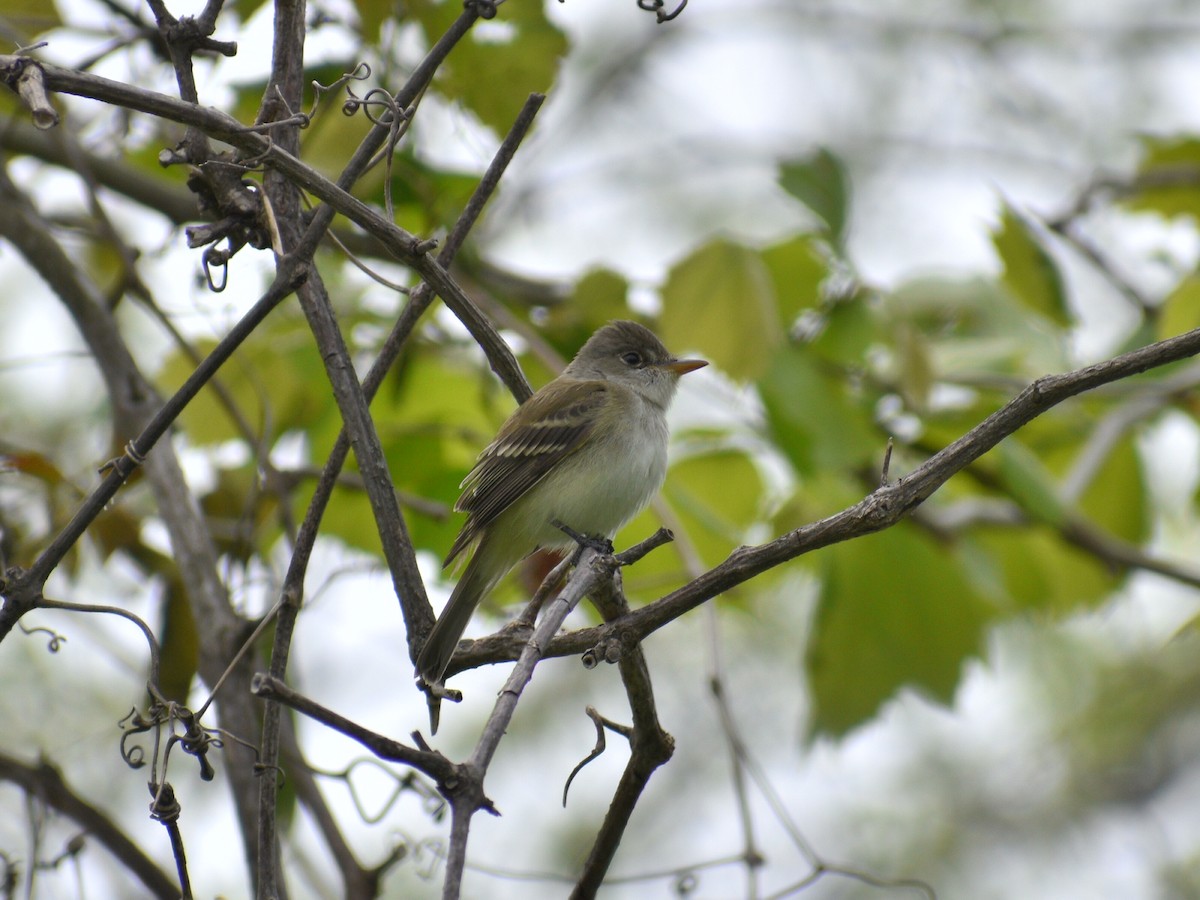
[[877, 223]]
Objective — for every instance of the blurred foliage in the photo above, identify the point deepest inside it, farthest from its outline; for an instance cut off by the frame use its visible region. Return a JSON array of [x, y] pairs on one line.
[[896, 608], [1029, 271], [22, 20], [835, 367], [519, 51], [834, 373], [815, 369], [1167, 182], [821, 184]]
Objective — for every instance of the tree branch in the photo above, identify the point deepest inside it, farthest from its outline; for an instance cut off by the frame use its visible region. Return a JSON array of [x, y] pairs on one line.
[[403, 245], [890, 503], [650, 746], [432, 763], [136, 408], [44, 782], [466, 796], [881, 509]]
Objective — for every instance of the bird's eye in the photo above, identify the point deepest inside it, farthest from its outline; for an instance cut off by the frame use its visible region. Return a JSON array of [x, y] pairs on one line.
[[632, 358]]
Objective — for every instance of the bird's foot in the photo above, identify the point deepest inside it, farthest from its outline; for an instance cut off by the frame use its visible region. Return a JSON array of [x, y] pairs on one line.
[[599, 543]]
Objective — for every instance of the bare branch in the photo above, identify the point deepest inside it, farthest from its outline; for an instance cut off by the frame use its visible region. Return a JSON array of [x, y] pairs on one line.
[[881, 509], [430, 762], [400, 243], [466, 796], [650, 746], [46, 783], [156, 192], [136, 408], [30, 84], [417, 612]]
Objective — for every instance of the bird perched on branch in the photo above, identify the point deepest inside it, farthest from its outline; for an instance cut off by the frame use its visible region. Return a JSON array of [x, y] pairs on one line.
[[589, 451]]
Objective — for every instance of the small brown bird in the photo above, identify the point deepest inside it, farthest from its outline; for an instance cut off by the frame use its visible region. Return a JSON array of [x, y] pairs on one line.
[[588, 450]]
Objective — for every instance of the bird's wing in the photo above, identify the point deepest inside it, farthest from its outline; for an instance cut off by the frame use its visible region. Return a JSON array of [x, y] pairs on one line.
[[551, 427]]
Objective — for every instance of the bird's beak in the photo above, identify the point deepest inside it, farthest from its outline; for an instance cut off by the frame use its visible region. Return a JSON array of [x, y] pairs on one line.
[[683, 366]]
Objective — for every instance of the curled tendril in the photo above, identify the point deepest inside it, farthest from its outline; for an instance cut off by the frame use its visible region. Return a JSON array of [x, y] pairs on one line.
[[361, 72], [245, 163], [428, 854], [409, 781], [164, 807], [396, 120], [56, 640], [134, 724], [435, 806], [216, 737], [601, 724], [135, 756], [301, 120], [374, 98], [656, 7], [280, 772], [214, 258], [195, 741]]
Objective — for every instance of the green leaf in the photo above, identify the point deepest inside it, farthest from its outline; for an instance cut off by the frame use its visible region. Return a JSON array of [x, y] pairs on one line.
[[717, 497], [797, 269], [821, 494], [820, 183], [599, 297], [1029, 483], [814, 417], [1116, 499], [372, 14], [500, 62], [1167, 180], [246, 8], [896, 609], [425, 197], [914, 373], [720, 301], [241, 514], [116, 528], [1030, 273], [443, 413], [1032, 568], [429, 466], [1180, 312], [275, 377], [24, 20], [327, 142], [848, 330]]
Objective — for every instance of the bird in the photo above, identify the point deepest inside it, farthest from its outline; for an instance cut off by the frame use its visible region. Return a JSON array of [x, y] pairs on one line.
[[588, 451]]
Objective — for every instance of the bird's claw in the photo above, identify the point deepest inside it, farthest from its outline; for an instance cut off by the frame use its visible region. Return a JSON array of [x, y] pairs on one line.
[[599, 543]]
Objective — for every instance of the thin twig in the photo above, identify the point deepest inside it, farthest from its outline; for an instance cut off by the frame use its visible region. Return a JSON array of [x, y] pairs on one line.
[[650, 746], [46, 783], [430, 762], [406, 247], [466, 796], [881, 509]]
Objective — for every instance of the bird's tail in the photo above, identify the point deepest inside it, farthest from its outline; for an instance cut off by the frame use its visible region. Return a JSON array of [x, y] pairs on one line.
[[480, 576]]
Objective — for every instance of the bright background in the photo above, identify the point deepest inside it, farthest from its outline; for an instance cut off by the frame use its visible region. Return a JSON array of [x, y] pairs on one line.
[[1064, 763]]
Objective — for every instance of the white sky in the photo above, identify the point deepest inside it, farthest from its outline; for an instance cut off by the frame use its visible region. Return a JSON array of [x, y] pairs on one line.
[[934, 134]]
